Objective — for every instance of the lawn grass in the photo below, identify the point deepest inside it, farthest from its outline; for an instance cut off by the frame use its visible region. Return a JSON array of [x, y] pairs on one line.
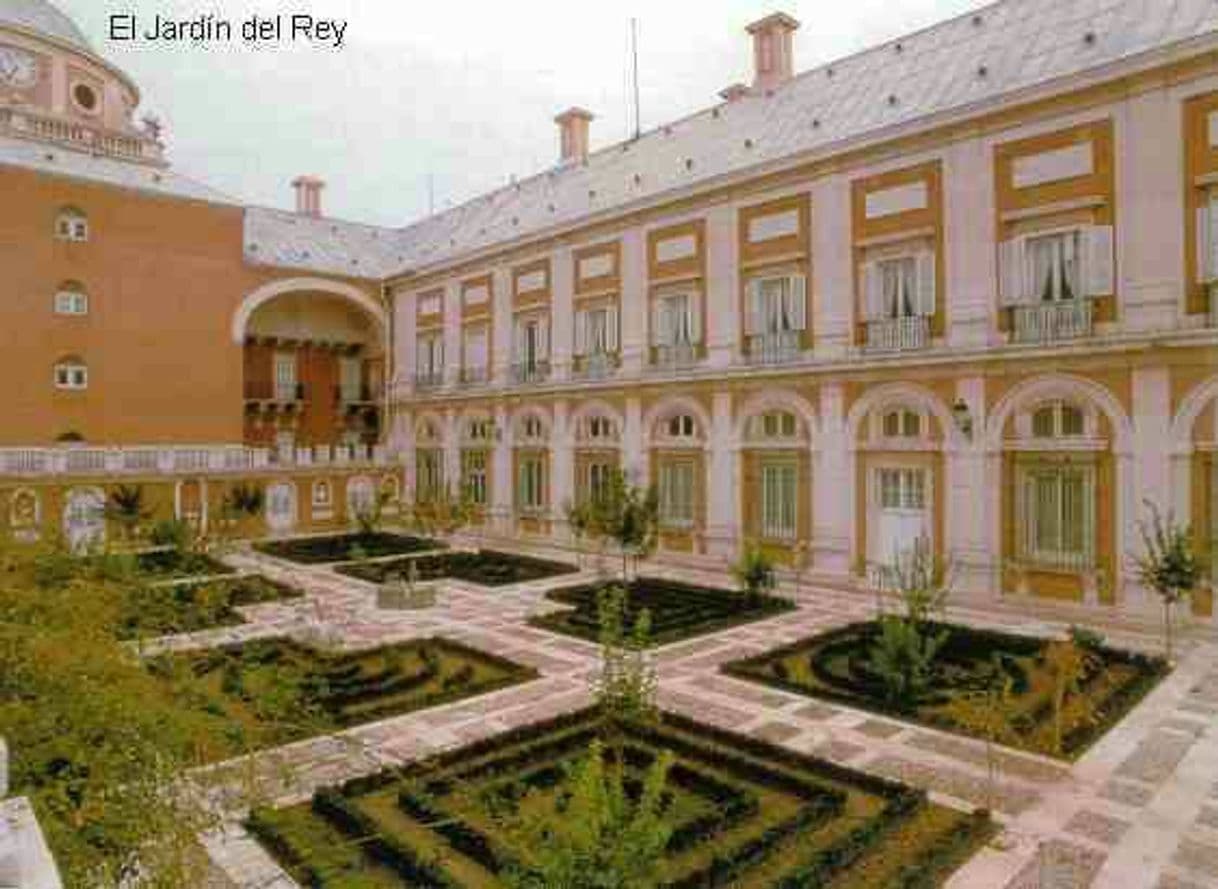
[[678, 610], [346, 547], [836, 666], [742, 812], [274, 691], [485, 567], [151, 610]]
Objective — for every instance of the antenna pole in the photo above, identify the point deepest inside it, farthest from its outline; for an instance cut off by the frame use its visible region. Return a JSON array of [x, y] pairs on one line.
[[634, 53]]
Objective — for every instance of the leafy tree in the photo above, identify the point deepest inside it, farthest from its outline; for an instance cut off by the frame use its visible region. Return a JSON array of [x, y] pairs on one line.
[[580, 519], [1167, 564], [594, 835], [126, 507], [1068, 663], [629, 516], [754, 572], [991, 713]]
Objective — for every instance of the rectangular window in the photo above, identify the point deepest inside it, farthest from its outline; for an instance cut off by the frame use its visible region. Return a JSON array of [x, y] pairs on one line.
[[350, 378], [70, 302], [598, 477], [777, 306], [430, 359], [779, 500], [899, 280], [675, 320], [476, 351], [71, 376], [1054, 267], [429, 473], [530, 491], [473, 474], [676, 491], [285, 376], [902, 489], [1057, 515]]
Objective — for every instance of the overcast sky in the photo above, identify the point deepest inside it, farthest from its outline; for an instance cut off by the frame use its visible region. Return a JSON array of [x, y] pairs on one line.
[[458, 93]]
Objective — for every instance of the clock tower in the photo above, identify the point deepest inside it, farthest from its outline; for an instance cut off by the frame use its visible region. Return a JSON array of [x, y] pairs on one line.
[[55, 89]]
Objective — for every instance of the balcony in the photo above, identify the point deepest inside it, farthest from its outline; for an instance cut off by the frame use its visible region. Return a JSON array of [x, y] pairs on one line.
[[474, 376], [597, 366], [781, 347], [682, 356], [273, 394], [429, 380], [1053, 321], [530, 371], [140, 146], [898, 334]]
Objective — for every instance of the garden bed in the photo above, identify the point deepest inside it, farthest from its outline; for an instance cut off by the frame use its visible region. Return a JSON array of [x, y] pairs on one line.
[[169, 609], [172, 564], [346, 547], [485, 567], [274, 691], [678, 610], [837, 666], [742, 813]]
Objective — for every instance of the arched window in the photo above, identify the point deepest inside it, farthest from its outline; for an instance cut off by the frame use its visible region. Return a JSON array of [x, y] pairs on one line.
[[321, 493], [71, 225], [777, 424], [531, 428], [902, 423], [71, 373], [71, 299], [479, 430], [428, 432], [1057, 420]]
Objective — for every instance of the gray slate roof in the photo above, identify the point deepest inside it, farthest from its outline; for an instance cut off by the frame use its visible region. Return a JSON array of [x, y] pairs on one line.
[[43, 17]]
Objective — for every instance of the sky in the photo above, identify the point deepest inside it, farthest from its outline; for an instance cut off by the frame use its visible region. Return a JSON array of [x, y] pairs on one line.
[[427, 105]]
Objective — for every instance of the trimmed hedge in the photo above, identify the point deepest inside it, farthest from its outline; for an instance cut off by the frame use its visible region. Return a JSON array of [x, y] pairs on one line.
[[485, 568], [339, 547]]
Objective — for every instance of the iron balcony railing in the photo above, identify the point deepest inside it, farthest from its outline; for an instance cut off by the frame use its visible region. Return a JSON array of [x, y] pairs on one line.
[[898, 334], [597, 366], [531, 371], [778, 347], [1052, 321], [678, 356]]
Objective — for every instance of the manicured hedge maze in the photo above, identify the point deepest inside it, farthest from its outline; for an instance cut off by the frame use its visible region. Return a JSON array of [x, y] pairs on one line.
[[166, 609], [743, 814], [837, 666], [344, 547], [678, 610], [274, 691], [484, 567]]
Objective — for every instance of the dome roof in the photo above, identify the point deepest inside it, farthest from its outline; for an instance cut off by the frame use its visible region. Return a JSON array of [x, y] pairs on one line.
[[43, 17]]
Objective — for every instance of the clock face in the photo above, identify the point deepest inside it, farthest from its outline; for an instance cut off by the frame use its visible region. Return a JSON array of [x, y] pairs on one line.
[[17, 67]]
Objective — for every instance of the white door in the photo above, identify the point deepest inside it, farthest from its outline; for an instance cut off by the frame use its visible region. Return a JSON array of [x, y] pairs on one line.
[[902, 495], [281, 506], [84, 519]]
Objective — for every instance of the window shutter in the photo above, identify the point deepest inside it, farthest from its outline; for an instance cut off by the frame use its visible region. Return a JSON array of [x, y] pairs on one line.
[[611, 322], [873, 292], [752, 314], [1011, 277], [1099, 260], [1204, 235], [694, 308], [797, 293], [1212, 242], [925, 303], [543, 339], [581, 333]]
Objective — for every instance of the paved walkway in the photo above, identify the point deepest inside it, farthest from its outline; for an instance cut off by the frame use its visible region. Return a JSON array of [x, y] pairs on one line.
[[1139, 809]]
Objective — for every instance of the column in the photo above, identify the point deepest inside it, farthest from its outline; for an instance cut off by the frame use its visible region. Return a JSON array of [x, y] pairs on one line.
[[722, 307], [1148, 138], [501, 326], [562, 309], [970, 236], [634, 458], [452, 450], [562, 468], [1144, 473], [503, 481], [833, 481], [722, 481], [973, 486], [404, 441], [634, 306], [452, 333], [832, 266]]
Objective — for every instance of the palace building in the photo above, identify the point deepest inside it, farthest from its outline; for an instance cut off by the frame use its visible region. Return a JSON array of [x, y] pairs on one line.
[[959, 286]]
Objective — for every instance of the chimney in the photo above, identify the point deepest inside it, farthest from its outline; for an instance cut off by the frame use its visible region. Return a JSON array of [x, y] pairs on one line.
[[772, 58], [573, 135], [308, 195]]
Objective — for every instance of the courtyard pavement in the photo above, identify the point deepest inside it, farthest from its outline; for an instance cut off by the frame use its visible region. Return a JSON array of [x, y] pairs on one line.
[[1138, 809]]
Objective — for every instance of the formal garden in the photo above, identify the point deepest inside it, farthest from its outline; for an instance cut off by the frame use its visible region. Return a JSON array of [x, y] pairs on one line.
[[162, 609], [483, 567], [346, 547], [274, 691]]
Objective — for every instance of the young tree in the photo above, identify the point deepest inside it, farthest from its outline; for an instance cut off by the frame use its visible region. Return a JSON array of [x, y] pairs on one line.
[[630, 517], [626, 688], [990, 713], [1167, 564], [754, 572], [1068, 664], [579, 517], [445, 512]]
